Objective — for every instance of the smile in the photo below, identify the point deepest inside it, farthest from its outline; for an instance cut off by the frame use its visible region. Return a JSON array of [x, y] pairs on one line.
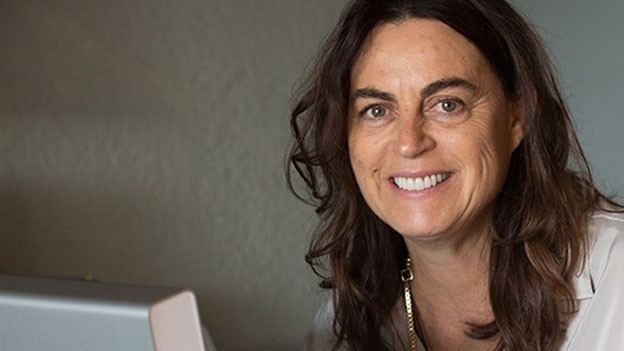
[[420, 183]]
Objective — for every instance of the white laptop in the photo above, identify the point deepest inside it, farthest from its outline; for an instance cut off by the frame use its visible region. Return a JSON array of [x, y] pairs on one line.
[[66, 315]]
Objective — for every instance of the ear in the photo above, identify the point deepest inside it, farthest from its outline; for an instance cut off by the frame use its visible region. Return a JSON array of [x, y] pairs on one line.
[[517, 124]]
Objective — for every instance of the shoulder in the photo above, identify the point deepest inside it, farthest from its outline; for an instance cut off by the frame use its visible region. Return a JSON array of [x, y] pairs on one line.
[[321, 335], [606, 238], [599, 320], [601, 221]]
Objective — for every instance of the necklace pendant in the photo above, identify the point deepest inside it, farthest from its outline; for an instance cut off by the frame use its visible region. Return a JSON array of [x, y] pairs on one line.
[[407, 275]]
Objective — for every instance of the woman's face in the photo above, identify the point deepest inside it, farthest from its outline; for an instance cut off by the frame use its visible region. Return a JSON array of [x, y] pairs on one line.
[[430, 130]]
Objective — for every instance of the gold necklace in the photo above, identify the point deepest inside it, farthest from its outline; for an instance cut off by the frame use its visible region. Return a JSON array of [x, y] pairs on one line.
[[407, 276]]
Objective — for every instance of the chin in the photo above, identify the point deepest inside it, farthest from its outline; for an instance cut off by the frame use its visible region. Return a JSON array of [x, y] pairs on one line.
[[420, 234], [416, 223], [419, 230]]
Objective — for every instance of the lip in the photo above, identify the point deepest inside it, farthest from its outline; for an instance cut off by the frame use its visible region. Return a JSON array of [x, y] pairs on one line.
[[425, 192]]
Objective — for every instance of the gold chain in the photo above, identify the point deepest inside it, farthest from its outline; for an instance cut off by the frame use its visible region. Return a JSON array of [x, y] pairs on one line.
[[407, 276]]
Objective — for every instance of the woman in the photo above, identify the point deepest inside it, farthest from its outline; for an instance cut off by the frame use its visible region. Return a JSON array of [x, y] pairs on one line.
[[457, 209]]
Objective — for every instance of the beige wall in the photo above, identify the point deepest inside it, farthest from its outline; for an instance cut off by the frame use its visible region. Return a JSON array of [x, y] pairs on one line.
[[143, 141]]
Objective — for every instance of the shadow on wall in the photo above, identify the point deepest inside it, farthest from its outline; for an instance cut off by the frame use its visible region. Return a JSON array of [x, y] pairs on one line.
[[65, 227], [59, 227], [14, 222]]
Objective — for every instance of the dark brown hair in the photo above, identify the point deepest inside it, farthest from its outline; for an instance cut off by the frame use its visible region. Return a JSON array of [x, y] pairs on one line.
[[541, 214]]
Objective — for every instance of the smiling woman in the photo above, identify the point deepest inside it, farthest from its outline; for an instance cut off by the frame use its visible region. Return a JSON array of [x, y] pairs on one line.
[[446, 117], [457, 209]]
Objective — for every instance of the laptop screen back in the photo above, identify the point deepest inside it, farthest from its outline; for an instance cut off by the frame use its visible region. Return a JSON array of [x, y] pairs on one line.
[[49, 314]]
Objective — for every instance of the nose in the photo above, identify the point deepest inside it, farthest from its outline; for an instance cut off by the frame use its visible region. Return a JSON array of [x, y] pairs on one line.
[[413, 137]]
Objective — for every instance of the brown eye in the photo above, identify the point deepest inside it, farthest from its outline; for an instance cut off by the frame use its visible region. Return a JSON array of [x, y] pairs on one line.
[[448, 105], [376, 111], [448, 109]]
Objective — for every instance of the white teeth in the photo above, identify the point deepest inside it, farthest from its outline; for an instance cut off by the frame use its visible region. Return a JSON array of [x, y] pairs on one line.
[[420, 183], [434, 180]]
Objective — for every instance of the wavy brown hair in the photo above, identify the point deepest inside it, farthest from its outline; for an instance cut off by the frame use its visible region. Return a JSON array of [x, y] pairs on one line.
[[541, 215]]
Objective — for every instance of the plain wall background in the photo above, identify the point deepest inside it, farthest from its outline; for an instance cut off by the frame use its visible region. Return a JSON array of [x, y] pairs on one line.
[[585, 42], [143, 142]]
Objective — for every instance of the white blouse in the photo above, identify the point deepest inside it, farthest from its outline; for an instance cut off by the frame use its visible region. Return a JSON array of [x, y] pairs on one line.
[[599, 323]]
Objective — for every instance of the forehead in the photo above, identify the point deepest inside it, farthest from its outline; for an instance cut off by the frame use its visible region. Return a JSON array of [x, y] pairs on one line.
[[419, 49]]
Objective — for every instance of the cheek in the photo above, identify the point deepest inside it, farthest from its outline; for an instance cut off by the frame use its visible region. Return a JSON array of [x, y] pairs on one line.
[[359, 149], [361, 161], [366, 159], [356, 157], [485, 145], [493, 153]]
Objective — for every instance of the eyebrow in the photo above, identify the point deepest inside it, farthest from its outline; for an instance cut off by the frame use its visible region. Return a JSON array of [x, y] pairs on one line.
[[445, 83], [430, 89], [373, 93]]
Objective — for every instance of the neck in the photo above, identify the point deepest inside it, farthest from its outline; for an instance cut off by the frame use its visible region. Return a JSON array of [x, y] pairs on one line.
[[452, 266], [451, 286]]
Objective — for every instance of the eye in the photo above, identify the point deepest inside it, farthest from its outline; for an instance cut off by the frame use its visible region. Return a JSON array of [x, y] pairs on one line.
[[449, 106], [374, 112]]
